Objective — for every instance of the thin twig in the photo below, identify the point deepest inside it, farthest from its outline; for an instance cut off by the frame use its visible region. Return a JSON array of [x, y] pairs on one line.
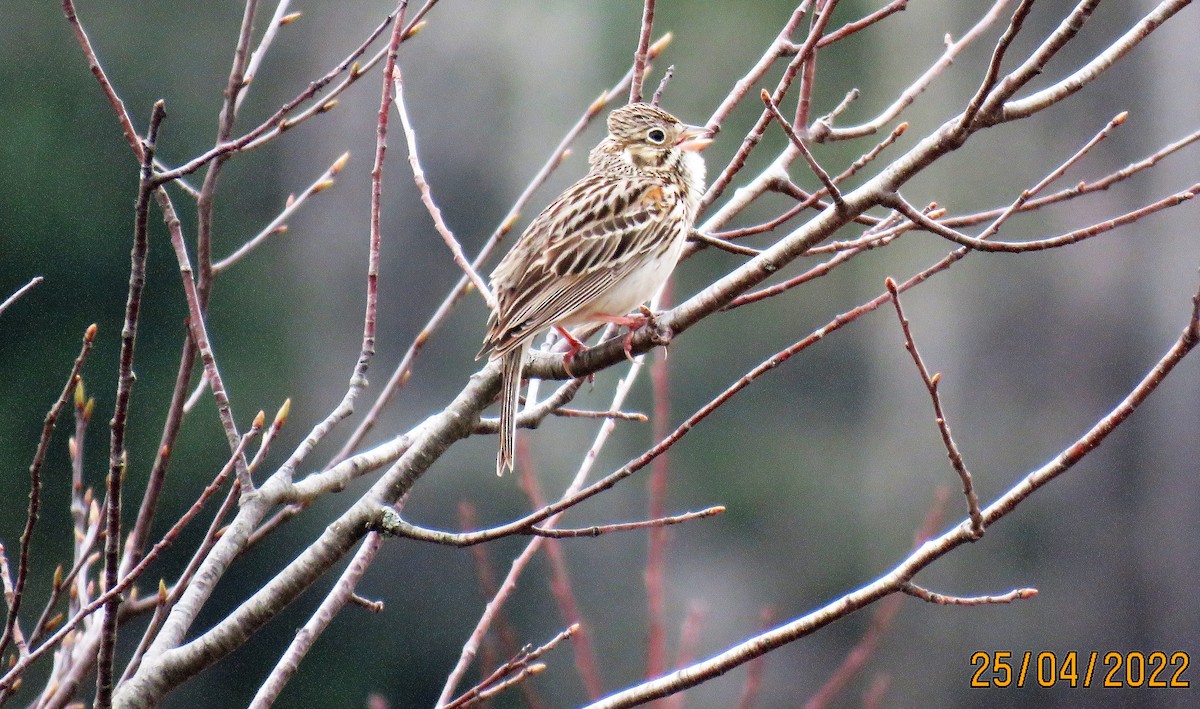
[[585, 414], [586, 664], [652, 524], [1039, 101], [521, 665], [260, 52], [1035, 64], [643, 49], [662, 85], [13, 599], [162, 608], [780, 46], [1071, 237], [489, 586], [722, 244], [992, 75], [1053, 175], [366, 603], [127, 580], [931, 383], [813, 200], [118, 106], [20, 292], [830, 188], [823, 132], [125, 378], [942, 599], [860, 24], [10, 600], [279, 224], [410, 137], [279, 122], [198, 328], [808, 78], [752, 139], [333, 603]]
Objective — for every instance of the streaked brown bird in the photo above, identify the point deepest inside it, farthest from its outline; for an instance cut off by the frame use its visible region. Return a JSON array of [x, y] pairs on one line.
[[600, 250]]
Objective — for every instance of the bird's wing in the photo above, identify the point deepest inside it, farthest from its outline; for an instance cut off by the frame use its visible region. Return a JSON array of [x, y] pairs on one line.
[[584, 242]]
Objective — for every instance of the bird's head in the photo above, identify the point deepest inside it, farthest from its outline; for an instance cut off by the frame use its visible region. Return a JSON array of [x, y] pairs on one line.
[[646, 136]]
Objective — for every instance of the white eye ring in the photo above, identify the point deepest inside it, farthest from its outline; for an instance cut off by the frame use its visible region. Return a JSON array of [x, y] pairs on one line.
[[656, 136]]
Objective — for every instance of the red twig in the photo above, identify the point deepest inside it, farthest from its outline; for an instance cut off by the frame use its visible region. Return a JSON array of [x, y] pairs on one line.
[[881, 622], [489, 587], [643, 48], [560, 584], [656, 546], [752, 688], [689, 638]]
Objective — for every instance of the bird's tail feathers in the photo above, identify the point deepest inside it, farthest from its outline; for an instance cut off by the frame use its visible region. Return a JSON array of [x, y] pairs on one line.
[[510, 389]]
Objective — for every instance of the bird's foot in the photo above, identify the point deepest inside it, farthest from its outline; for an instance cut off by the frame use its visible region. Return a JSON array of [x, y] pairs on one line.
[[574, 347]]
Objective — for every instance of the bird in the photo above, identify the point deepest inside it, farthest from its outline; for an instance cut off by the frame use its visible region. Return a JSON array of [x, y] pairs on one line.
[[598, 251]]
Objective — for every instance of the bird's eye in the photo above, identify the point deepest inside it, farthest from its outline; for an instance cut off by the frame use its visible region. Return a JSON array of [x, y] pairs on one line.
[[656, 136]]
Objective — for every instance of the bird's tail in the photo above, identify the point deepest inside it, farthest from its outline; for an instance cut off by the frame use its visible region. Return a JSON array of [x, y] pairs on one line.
[[510, 389]]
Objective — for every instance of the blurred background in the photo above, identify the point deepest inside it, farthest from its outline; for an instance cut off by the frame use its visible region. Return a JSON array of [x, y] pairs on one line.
[[828, 465]]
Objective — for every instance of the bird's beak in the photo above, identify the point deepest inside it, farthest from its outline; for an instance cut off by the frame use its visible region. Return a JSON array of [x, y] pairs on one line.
[[694, 138]]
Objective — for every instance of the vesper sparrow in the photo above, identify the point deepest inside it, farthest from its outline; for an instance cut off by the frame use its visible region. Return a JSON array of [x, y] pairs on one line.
[[601, 249]]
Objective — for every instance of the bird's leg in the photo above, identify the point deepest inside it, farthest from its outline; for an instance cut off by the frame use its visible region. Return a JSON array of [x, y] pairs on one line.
[[634, 323], [574, 347]]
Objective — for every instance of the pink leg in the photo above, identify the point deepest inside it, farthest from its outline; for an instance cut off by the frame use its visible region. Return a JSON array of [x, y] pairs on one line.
[[574, 347], [633, 322]]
